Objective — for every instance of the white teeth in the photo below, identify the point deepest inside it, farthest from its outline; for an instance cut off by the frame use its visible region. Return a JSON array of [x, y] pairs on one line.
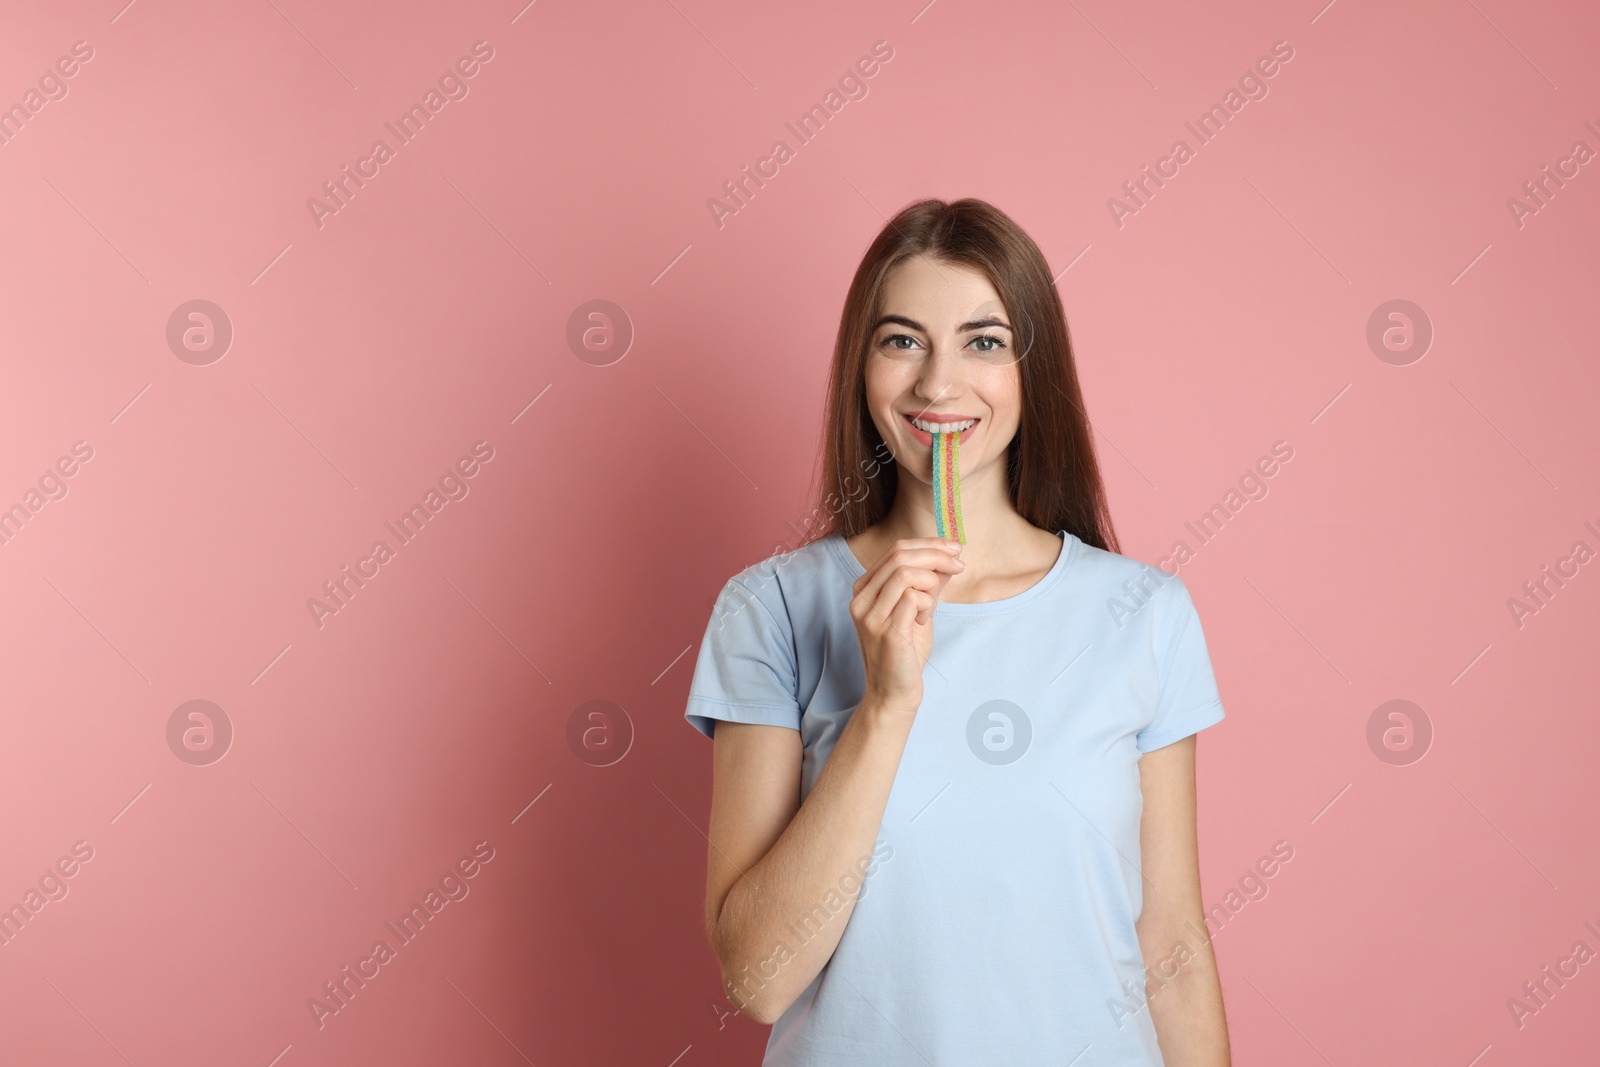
[[943, 427]]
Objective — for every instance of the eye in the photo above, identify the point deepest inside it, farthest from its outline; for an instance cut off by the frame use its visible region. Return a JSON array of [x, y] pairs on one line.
[[890, 342], [988, 342]]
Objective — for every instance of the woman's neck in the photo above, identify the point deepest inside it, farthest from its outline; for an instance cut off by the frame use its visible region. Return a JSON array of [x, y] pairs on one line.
[[1001, 544]]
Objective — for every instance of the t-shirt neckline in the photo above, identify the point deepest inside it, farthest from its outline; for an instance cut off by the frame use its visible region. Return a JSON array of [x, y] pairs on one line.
[[1069, 546]]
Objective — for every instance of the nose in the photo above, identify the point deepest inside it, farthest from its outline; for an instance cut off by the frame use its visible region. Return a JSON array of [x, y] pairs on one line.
[[938, 376]]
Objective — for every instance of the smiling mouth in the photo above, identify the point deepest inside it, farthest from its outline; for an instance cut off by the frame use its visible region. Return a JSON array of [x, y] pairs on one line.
[[924, 428]]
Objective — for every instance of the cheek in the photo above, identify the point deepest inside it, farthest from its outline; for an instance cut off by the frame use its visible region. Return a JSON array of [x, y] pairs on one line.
[[885, 382], [1001, 390], [881, 393], [875, 377]]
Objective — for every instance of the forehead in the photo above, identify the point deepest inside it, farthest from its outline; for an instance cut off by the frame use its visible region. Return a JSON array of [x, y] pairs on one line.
[[940, 295]]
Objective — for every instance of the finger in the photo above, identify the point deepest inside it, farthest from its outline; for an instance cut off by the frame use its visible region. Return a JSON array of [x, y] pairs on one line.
[[901, 617], [926, 542], [925, 605], [897, 583], [892, 565], [927, 557], [888, 600]]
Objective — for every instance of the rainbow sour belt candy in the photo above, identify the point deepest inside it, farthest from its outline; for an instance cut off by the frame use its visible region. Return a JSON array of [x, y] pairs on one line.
[[947, 486]]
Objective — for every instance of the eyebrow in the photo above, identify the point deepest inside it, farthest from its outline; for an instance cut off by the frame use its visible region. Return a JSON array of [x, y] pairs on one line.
[[965, 327]]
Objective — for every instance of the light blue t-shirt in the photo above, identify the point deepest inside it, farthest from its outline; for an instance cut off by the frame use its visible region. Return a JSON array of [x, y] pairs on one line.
[[995, 924]]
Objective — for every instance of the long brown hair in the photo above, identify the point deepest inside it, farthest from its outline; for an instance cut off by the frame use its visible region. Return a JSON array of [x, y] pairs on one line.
[[1050, 463]]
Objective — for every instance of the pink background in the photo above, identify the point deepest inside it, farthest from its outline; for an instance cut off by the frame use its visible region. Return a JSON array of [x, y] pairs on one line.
[[371, 753]]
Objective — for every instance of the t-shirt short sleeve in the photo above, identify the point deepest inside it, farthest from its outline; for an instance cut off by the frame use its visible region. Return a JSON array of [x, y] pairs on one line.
[[1188, 700], [746, 668]]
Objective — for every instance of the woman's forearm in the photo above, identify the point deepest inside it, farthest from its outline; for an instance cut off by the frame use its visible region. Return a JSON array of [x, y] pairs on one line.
[[1188, 1017], [775, 931]]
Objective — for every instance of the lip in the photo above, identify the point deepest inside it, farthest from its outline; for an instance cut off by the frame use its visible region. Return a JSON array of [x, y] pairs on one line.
[[925, 438]]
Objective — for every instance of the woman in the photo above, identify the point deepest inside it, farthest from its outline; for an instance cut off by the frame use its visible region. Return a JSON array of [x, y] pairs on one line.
[[976, 847]]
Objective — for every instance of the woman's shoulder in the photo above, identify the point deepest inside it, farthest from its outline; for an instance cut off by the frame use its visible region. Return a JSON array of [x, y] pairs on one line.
[[1117, 573], [783, 563], [793, 582]]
